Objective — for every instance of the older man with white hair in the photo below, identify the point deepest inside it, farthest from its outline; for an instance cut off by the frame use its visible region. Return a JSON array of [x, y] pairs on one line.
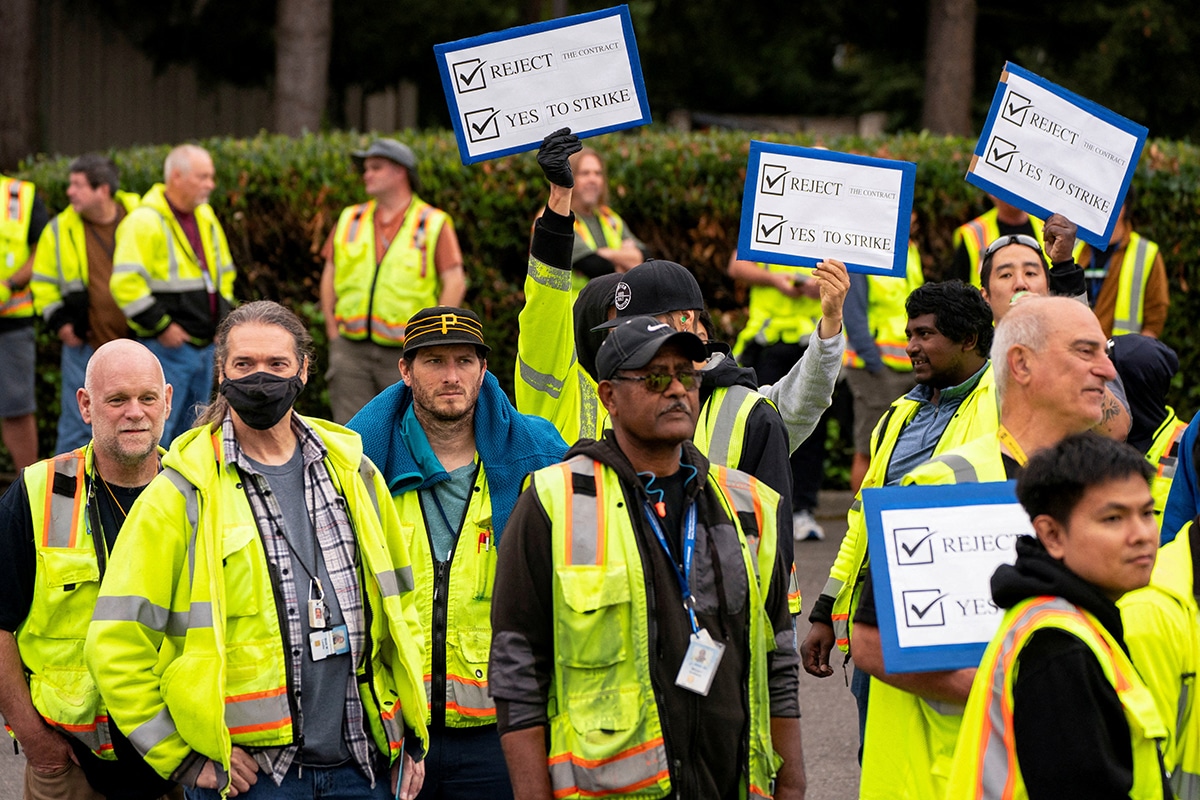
[[173, 277]]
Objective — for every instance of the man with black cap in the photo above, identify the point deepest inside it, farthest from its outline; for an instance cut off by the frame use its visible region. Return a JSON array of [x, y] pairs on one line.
[[737, 426], [640, 623], [386, 259], [454, 452]]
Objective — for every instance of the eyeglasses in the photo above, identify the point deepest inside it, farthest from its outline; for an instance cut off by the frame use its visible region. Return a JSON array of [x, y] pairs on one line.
[[657, 382], [1013, 238]]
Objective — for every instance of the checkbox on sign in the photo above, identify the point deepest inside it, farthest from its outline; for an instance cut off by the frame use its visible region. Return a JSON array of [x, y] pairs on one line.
[[923, 608], [768, 229], [1015, 107], [469, 75], [1000, 153], [482, 125], [913, 546], [773, 176]]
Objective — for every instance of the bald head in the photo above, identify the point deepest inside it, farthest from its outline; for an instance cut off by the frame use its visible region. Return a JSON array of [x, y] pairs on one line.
[[189, 176], [126, 401], [1051, 353]]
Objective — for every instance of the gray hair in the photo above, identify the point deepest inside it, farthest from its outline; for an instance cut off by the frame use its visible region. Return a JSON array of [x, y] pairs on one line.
[[1025, 325], [180, 160]]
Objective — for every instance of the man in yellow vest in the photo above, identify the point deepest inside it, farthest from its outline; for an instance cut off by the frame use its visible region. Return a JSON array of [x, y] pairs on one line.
[[603, 242], [1057, 709], [71, 274], [256, 625], [949, 334], [1162, 630], [1127, 283], [1050, 367], [22, 217], [877, 367], [640, 621], [384, 261], [972, 238], [173, 277], [58, 524], [454, 452]]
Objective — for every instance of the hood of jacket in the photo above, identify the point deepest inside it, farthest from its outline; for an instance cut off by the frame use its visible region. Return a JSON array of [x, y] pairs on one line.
[[722, 370], [591, 309]]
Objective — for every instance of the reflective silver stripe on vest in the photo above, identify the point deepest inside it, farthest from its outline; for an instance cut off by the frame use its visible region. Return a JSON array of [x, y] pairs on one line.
[[833, 587], [1127, 318], [470, 698], [172, 259], [150, 733], [541, 381], [856, 505], [584, 513], [995, 776], [1186, 785], [366, 471], [198, 616], [355, 221], [256, 710], [59, 527], [14, 199], [624, 772], [964, 471], [393, 583], [131, 608], [191, 504], [723, 429], [551, 277], [743, 498]]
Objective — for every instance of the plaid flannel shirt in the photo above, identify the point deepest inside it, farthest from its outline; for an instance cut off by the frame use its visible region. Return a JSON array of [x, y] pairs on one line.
[[335, 536]]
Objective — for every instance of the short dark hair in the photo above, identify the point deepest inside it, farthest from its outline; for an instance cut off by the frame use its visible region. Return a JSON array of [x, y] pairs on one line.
[[1054, 480], [985, 264], [960, 311], [99, 170]]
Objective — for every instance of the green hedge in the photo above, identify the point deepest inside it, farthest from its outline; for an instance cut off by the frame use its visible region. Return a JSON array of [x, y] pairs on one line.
[[279, 198]]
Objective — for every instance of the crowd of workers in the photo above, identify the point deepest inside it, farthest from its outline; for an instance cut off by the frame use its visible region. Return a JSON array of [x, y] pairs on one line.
[[292, 606]]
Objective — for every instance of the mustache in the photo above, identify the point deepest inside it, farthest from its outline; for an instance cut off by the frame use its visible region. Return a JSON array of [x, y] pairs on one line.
[[678, 405]]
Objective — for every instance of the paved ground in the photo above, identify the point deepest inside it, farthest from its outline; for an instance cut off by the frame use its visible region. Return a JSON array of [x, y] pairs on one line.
[[830, 724]]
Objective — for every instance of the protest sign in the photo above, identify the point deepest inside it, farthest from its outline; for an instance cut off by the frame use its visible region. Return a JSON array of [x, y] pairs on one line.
[[508, 90], [933, 551], [1047, 150], [802, 205]]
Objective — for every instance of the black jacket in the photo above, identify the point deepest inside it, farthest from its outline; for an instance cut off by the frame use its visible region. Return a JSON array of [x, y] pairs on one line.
[[1072, 739], [705, 736]]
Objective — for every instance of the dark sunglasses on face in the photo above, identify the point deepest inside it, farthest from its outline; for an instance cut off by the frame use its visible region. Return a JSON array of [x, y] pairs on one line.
[[657, 382]]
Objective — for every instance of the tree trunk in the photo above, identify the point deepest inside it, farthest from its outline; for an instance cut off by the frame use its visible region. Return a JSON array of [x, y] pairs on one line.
[[18, 81], [949, 66], [303, 39]]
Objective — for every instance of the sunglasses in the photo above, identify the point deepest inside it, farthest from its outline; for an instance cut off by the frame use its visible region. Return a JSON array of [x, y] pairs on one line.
[[1013, 238], [657, 382]]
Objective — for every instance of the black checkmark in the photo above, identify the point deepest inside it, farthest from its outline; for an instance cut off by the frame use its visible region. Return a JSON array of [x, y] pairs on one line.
[[771, 183], [486, 122], [997, 155], [466, 79], [768, 231], [923, 611], [913, 549]]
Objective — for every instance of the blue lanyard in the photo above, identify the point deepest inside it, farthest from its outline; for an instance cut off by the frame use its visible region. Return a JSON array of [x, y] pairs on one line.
[[689, 550]]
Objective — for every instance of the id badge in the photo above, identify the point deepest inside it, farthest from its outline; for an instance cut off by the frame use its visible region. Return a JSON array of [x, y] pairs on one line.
[[700, 663], [317, 614], [333, 642]]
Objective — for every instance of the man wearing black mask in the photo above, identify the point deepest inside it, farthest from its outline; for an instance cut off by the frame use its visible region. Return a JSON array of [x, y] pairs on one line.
[[268, 578]]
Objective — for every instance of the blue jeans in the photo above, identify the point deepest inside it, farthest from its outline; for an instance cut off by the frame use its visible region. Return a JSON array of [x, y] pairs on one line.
[[860, 687], [73, 432], [465, 764], [344, 782], [189, 370]]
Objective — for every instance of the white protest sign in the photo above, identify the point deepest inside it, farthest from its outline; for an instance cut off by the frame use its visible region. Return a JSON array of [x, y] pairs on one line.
[[1047, 150], [933, 551], [802, 205], [508, 90]]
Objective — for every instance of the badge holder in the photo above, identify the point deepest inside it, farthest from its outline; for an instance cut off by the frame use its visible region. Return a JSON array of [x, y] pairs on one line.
[[324, 643]]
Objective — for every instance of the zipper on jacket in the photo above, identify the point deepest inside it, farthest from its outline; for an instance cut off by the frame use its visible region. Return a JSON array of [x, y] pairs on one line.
[[441, 592]]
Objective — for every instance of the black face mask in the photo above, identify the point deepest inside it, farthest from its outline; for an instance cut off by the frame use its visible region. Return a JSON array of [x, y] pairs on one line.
[[261, 399]]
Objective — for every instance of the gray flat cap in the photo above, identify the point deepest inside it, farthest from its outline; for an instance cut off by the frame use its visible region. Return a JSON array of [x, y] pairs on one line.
[[389, 149]]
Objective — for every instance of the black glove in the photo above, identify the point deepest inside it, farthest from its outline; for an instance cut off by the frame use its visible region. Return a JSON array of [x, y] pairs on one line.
[[553, 154]]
